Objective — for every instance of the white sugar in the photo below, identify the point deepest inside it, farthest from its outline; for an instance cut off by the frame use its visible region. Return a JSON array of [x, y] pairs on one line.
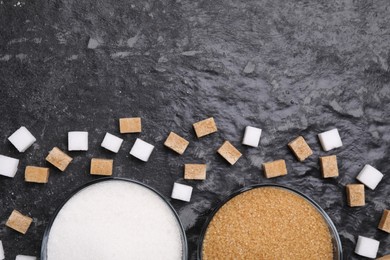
[[115, 220], [330, 140], [181, 192], [22, 139], [77, 141], [8, 166], [25, 257], [112, 143], [370, 176], [252, 136], [2, 257], [141, 150], [367, 247]]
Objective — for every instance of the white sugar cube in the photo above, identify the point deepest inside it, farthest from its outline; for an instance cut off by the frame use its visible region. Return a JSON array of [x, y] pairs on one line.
[[8, 166], [330, 139], [22, 139], [252, 136], [370, 176], [77, 141], [112, 143], [2, 257], [141, 150], [367, 247], [181, 192], [25, 257]]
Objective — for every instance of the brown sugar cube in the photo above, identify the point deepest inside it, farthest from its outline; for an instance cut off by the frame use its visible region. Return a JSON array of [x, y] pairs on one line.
[[300, 148], [101, 166], [36, 174], [329, 166], [194, 171], [205, 127], [130, 125], [275, 168], [229, 152], [176, 143], [19, 222], [59, 159], [355, 195], [385, 257], [384, 224]]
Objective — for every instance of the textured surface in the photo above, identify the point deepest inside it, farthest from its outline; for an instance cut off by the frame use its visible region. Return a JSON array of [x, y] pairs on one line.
[[290, 68]]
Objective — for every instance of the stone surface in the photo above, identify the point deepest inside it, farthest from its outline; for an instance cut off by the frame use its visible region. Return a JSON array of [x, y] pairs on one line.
[[318, 65]]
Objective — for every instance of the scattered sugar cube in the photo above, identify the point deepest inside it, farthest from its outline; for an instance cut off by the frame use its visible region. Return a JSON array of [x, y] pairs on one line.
[[8, 166], [22, 139], [181, 192], [36, 174], [329, 166], [77, 141], [25, 257], [101, 166], [92, 43], [385, 257], [251, 136], [176, 143], [19, 222], [112, 143], [355, 195], [2, 257], [367, 247], [205, 127], [275, 168], [141, 150], [370, 176], [300, 148], [384, 224], [130, 125], [59, 159], [229, 152], [195, 171], [330, 140]]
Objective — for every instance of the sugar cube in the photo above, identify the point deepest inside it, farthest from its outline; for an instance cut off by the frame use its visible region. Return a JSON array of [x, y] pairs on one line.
[[251, 136], [78, 141], [25, 257], [205, 127], [355, 195], [36, 174], [181, 192], [8, 166], [22, 139], [112, 142], [329, 166], [130, 125], [370, 176], [59, 159], [2, 257], [385, 257], [195, 171], [275, 168], [384, 224], [18, 222], [101, 166], [330, 139], [229, 152], [176, 143], [141, 150], [367, 247], [300, 148]]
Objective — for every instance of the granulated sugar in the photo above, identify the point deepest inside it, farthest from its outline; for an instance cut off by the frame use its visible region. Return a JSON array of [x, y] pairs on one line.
[[115, 220], [267, 223]]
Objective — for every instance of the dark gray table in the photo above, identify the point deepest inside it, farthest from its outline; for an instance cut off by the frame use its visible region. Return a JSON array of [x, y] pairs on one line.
[[289, 67]]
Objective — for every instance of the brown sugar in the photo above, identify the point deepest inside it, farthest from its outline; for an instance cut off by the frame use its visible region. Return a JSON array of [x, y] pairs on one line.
[[329, 166], [36, 174], [195, 171], [59, 159], [355, 195], [267, 223], [300, 148], [205, 127], [275, 168], [130, 125], [176, 143], [101, 166], [19, 222], [229, 152], [384, 224]]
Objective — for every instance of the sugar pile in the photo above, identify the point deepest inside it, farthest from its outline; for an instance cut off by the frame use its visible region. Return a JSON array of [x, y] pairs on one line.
[[115, 220]]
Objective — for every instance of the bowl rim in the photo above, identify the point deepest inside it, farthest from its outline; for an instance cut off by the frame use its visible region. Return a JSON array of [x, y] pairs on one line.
[[332, 228], [105, 179]]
